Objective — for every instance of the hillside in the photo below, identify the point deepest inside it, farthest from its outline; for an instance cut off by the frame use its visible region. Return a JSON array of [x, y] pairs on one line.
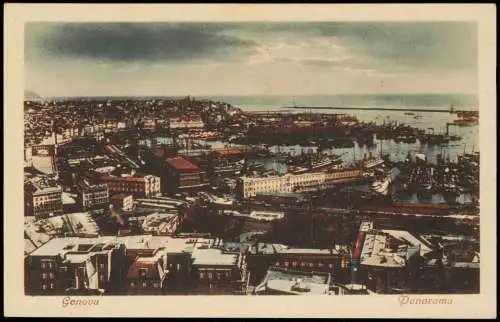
[[31, 95]]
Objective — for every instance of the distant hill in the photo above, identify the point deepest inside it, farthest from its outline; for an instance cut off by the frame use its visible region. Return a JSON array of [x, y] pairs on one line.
[[29, 95]]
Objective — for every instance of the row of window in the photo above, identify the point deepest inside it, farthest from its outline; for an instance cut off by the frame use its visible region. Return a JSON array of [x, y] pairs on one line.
[[47, 198], [96, 201], [215, 275], [48, 286], [145, 284], [341, 264], [45, 265], [50, 206]]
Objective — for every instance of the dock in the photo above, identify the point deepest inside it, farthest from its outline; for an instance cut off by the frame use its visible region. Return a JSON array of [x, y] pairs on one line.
[[434, 110]]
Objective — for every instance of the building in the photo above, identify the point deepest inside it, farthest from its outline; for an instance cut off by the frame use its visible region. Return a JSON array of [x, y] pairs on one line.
[[280, 281], [146, 186], [95, 196], [74, 265], [336, 260], [186, 123], [139, 264], [201, 266], [43, 197], [183, 174], [390, 260], [216, 270], [161, 223], [290, 183], [43, 158], [147, 264], [123, 202]]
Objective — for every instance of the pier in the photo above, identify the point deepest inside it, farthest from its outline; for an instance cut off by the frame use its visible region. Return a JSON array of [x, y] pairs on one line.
[[434, 110]]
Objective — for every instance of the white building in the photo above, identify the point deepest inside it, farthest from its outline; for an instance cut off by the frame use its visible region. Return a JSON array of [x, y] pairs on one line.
[[289, 183], [191, 123]]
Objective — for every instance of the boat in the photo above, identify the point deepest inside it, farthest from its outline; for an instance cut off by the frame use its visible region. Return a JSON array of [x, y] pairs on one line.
[[372, 162], [466, 121], [314, 163], [417, 117], [297, 170], [382, 186], [421, 177], [409, 113]]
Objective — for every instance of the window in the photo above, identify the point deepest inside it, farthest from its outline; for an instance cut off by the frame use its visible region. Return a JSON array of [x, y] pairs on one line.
[[144, 284], [51, 275], [44, 286], [202, 275], [132, 284], [156, 285], [210, 275], [101, 277], [44, 265], [294, 264], [44, 275], [52, 285]]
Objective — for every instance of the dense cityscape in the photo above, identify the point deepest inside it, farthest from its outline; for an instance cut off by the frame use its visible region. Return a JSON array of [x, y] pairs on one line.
[[169, 196]]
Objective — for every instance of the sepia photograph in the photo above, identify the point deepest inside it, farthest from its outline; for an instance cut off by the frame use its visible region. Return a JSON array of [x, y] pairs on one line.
[[215, 157]]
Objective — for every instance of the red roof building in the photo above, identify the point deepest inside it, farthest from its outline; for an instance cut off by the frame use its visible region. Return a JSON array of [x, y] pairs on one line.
[[181, 164], [183, 174]]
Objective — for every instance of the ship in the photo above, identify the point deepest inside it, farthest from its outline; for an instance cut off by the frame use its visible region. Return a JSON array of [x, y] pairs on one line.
[[382, 186], [470, 121], [304, 163], [226, 167], [372, 162], [421, 177]]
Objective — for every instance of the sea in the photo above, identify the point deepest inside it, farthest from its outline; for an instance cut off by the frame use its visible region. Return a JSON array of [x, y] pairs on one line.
[[431, 121]]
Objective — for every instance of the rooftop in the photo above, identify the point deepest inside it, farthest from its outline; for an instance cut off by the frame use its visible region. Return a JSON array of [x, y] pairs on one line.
[[142, 269], [375, 253], [295, 283], [213, 256], [311, 251], [111, 178], [181, 164]]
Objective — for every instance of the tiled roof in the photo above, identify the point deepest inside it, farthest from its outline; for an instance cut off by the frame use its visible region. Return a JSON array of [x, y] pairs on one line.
[[181, 164]]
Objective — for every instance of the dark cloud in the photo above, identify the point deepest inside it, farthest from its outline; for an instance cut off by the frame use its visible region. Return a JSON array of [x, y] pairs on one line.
[[426, 44], [418, 44], [393, 45], [132, 41]]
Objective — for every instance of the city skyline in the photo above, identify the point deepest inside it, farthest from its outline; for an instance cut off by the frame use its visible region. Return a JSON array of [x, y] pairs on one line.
[[160, 58]]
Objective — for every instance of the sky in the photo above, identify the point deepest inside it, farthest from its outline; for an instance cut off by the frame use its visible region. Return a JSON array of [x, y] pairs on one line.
[[271, 58]]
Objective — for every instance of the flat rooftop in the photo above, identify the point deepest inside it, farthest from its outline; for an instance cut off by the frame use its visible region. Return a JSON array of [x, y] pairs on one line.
[[295, 283], [213, 257]]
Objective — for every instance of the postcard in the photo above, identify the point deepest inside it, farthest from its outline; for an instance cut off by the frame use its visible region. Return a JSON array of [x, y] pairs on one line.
[[250, 160]]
